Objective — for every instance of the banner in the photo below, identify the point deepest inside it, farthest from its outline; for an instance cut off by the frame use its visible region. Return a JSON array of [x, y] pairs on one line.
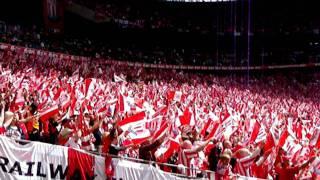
[[128, 170], [35, 160]]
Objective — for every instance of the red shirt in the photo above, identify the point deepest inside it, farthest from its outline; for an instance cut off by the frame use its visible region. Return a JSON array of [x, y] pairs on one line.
[[106, 142], [287, 173], [260, 171], [2, 130]]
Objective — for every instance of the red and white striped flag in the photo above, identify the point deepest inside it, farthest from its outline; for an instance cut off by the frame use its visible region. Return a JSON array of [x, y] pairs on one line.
[[89, 87], [186, 158], [118, 78], [48, 111], [161, 131], [315, 138], [243, 166], [287, 142], [174, 96], [133, 120], [138, 134], [167, 149], [258, 133]]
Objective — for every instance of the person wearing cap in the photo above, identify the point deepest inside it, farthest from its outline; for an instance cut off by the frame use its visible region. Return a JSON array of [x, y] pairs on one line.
[[13, 130], [224, 167]]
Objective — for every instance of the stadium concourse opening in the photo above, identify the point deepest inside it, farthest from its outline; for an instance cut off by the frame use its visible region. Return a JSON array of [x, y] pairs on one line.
[[151, 89]]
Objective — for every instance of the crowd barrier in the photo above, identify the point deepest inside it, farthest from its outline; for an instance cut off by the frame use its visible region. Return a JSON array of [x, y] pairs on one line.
[[22, 159], [66, 57]]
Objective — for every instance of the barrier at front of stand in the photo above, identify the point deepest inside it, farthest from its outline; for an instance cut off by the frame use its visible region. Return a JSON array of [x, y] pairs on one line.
[[35, 160]]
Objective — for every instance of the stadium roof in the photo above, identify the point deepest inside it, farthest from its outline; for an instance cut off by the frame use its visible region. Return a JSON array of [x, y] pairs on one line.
[[195, 1]]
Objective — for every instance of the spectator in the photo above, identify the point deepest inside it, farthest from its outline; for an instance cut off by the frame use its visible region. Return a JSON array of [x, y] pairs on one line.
[[285, 171]]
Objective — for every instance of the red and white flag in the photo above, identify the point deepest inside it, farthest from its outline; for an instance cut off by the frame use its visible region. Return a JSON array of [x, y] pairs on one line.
[[89, 87], [187, 118], [175, 96], [138, 134], [243, 166], [48, 111], [118, 78], [288, 143], [132, 121], [315, 138], [258, 133], [167, 149]]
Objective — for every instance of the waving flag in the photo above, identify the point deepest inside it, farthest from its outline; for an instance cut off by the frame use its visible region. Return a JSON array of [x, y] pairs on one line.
[[48, 112], [89, 87], [118, 78], [258, 133], [187, 118], [138, 134], [175, 96], [288, 143], [132, 120], [315, 138], [167, 149]]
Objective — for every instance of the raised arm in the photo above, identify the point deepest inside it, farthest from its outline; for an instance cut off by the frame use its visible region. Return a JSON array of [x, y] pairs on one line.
[[199, 147], [29, 118]]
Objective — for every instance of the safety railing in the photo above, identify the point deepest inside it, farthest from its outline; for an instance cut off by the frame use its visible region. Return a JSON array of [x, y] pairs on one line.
[[206, 174]]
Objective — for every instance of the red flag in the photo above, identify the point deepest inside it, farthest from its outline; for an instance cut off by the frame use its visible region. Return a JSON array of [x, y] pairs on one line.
[[81, 165], [205, 127], [161, 131], [213, 131], [269, 142], [120, 104], [89, 87], [161, 111], [283, 138], [186, 117]]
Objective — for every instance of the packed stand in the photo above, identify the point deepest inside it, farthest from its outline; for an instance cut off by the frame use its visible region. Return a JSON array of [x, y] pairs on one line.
[[197, 122], [157, 15], [35, 37]]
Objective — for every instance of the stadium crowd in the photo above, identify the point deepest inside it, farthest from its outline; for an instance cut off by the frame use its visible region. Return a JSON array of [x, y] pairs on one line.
[[34, 37], [269, 128], [134, 15]]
